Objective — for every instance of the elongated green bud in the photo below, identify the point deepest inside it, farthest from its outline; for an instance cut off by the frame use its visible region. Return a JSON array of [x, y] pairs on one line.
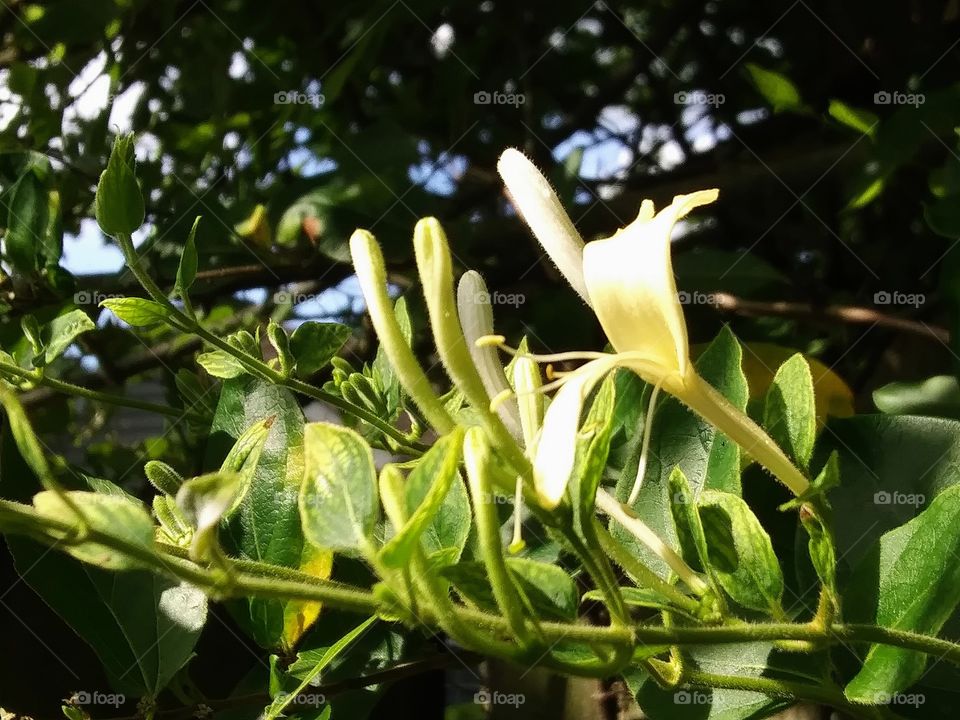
[[163, 477], [371, 272]]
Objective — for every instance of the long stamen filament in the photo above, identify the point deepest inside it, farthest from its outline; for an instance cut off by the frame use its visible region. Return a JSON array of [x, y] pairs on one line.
[[500, 342], [645, 446]]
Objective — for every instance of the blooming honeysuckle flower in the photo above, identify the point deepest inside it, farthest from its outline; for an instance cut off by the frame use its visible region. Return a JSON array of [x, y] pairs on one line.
[[628, 281]]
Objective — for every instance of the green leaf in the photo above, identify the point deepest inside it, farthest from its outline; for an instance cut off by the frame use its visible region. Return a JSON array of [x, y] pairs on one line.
[[741, 554], [137, 312], [790, 414], [748, 660], [777, 89], [59, 333], [281, 344], [938, 396], [244, 458], [593, 449], [283, 699], [642, 597], [314, 344], [912, 583], [117, 515], [187, 269], [204, 502], [862, 121], [707, 458], [338, 502], [27, 222], [425, 491], [686, 521], [220, 364], [892, 466], [267, 527], [547, 590], [142, 626], [119, 202], [382, 371]]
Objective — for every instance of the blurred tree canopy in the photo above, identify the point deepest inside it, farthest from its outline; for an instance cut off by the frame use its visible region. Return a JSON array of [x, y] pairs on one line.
[[830, 129]]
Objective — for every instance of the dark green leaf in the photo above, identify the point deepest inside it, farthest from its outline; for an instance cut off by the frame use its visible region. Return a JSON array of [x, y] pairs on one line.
[[741, 554], [314, 344], [681, 439], [912, 583], [267, 527]]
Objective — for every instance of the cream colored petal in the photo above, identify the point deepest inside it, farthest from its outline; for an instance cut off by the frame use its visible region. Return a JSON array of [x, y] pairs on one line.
[[556, 448], [476, 319], [629, 277], [539, 206]]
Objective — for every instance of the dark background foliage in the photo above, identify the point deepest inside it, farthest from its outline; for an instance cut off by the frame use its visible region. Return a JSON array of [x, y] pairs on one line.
[[830, 129]]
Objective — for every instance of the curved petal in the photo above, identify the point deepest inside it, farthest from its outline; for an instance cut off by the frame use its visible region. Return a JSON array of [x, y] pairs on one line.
[[629, 277], [540, 208], [556, 448]]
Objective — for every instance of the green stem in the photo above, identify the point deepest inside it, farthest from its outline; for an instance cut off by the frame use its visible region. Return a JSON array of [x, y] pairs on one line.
[[820, 694], [79, 391], [252, 365], [293, 585]]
